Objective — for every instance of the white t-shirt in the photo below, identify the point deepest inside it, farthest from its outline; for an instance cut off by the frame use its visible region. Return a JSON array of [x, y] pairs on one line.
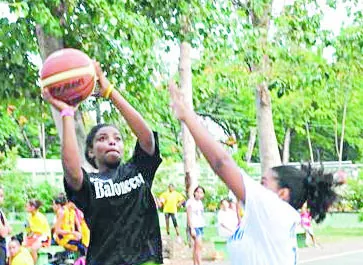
[[266, 234], [197, 216], [227, 222]]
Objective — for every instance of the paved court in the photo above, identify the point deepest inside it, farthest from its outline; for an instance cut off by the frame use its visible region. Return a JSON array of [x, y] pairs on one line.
[[345, 258], [347, 252]]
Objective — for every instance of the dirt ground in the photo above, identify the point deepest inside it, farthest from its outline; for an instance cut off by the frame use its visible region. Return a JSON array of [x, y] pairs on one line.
[[179, 253]]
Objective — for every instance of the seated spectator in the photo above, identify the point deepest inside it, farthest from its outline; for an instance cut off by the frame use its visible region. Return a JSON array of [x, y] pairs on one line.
[[37, 228], [5, 230], [66, 228], [227, 219], [81, 225], [19, 255]]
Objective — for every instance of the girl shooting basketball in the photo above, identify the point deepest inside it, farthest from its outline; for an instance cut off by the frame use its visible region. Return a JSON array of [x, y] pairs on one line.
[[117, 201]]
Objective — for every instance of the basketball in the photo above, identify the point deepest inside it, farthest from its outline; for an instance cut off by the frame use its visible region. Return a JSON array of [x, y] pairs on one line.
[[69, 75]]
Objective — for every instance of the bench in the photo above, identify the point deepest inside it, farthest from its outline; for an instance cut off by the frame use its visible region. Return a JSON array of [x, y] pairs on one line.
[[220, 246], [45, 253], [301, 237]]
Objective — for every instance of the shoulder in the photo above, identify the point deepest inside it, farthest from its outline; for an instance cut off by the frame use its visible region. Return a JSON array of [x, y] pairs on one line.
[[40, 215]]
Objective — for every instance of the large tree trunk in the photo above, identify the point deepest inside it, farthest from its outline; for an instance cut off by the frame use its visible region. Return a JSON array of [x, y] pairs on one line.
[[269, 151], [286, 151], [47, 45], [251, 144], [185, 72]]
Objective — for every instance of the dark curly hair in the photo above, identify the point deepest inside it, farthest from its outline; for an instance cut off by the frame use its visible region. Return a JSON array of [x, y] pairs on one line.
[[89, 142], [61, 199], [35, 203], [308, 185], [198, 187]]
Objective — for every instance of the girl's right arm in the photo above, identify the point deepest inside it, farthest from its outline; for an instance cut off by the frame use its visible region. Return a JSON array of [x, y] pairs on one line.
[[218, 158], [58, 224], [189, 220], [71, 159]]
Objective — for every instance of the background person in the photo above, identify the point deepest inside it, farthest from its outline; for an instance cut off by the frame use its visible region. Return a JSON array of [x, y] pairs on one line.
[[227, 219], [38, 232], [5, 229], [171, 201], [196, 222], [19, 255]]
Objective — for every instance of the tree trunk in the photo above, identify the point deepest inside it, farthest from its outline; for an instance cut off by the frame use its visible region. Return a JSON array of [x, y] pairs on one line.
[[47, 45], [189, 151], [269, 151], [286, 151], [343, 131], [309, 142], [251, 144], [336, 135]]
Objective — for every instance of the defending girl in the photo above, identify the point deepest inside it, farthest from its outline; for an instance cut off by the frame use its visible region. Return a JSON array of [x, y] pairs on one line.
[[117, 201], [266, 234]]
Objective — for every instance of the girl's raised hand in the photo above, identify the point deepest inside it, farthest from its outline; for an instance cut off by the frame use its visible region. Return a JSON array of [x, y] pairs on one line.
[[103, 81], [177, 101], [56, 103]]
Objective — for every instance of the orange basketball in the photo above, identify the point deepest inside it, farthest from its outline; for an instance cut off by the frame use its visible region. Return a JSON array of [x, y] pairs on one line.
[[69, 75]]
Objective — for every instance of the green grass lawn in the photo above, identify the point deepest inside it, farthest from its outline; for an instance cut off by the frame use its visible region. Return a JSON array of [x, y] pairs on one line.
[[323, 234], [331, 234]]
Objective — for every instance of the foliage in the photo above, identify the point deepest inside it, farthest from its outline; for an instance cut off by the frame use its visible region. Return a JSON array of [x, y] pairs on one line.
[[128, 37], [353, 195], [19, 188]]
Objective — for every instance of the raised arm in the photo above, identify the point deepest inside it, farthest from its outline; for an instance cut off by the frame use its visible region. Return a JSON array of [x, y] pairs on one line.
[[218, 158], [71, 159], [132, 117]]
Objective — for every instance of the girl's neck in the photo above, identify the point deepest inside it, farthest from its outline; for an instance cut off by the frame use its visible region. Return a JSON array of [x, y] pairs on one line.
[[34, 212], [106, 170]]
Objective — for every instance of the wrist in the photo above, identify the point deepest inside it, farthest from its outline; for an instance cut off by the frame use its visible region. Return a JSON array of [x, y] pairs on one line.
[[188, 114], [67, 112], [108, 91]]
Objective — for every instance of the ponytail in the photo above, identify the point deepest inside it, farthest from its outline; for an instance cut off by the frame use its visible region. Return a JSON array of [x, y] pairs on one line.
[[308, 184], [320, 191]]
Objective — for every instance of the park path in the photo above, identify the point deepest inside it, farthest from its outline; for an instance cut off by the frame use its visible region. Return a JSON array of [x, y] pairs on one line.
[[344, 252]]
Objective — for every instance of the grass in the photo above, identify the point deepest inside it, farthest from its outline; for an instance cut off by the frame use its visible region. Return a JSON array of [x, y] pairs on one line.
[[323, 234], [331, 234]]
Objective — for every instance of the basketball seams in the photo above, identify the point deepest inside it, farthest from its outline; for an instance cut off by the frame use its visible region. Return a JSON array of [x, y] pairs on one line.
[[76, 72]]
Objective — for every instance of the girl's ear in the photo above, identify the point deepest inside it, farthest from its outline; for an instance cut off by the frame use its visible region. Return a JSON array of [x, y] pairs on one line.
[[284, 194], [90, 153]]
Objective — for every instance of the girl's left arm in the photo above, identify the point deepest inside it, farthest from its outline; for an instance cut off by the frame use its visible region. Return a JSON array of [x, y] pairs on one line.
[[133, 118]]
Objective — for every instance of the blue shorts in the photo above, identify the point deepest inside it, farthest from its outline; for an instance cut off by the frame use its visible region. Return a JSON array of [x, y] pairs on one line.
[[199, 231]]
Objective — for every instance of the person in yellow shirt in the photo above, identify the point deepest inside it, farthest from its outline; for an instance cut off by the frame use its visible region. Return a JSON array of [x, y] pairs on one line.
[[37, 228], [5, 229], [67, 228], [171, 200], [19, 255], [81, 223]]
